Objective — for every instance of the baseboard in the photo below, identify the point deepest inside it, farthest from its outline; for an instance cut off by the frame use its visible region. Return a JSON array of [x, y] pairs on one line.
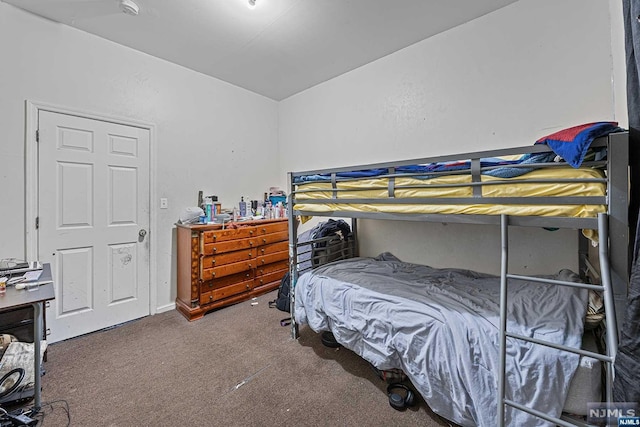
[[165, 308]]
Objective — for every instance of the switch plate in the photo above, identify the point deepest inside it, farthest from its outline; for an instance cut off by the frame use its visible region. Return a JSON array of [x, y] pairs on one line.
[[164, 203]]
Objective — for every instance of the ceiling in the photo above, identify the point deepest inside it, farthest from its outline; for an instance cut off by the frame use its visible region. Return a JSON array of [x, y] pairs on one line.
[[278, 48]]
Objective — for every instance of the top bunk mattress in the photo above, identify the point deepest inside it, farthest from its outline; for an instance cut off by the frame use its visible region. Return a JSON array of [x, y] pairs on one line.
[[560, 191], [564, 175]]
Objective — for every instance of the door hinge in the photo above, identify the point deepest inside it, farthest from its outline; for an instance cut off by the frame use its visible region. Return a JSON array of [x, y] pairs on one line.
[[37, 222], [38, 135]]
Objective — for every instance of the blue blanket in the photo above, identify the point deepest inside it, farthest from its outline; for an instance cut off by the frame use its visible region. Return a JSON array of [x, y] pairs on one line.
[[573, 143]]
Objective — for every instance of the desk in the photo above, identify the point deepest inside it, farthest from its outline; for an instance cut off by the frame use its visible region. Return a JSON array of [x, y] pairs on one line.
[[19, 298]]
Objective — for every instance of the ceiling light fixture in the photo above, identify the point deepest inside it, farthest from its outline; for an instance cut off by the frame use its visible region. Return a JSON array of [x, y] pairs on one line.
[[252, 4], [129, 7]]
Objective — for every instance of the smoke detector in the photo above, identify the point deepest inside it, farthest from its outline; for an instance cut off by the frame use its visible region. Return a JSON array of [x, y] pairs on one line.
[[129, 7]]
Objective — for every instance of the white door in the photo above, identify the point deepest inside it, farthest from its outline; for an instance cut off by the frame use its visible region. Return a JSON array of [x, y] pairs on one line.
[[93, 211]]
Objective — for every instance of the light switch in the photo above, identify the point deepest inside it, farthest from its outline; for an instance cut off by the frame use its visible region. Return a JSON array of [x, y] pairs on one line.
[[164, 203]]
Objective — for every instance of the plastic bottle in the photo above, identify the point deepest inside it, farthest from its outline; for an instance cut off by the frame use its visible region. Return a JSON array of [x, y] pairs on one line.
[[214, 207], [268, 212], [243, 207], [261, 209], [209, 204]]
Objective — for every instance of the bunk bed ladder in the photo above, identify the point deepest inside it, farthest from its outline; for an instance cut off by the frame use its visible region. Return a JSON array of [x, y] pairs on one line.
[[611, 324]]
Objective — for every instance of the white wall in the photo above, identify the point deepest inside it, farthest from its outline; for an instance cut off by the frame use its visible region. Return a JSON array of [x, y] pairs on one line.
[[211, 136], [618, 56], [505, 79]]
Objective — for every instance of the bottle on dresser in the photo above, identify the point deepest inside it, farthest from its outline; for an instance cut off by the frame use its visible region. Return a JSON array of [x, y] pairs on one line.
[[243, 207], [208, 205]]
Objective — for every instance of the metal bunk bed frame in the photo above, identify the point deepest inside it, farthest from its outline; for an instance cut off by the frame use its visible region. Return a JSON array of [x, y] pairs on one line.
[[613, 237]]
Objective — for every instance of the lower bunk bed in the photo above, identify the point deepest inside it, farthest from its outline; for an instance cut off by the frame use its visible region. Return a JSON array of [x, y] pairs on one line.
[[441, 328], [480, 349]]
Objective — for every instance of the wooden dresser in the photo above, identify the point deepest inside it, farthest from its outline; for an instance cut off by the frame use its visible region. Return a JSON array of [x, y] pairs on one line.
[[219, 267]]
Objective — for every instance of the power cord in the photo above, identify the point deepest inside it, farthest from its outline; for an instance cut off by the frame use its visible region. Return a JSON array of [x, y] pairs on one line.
[[40, 415]]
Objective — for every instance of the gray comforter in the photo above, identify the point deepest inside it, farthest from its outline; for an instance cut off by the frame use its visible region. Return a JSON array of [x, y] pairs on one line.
[[441, 327]]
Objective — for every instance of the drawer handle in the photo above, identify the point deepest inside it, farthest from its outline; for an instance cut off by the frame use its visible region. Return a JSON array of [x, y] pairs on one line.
[[247, 286], [261, 271], [264, 230], [250, 242], [262, 250], [210, 297], [249, 265], [261, 282], [215, 250], [210, 284], [213, 261], [213, 274], [246, 275], [264, 240], [249, 254], [262, 260]]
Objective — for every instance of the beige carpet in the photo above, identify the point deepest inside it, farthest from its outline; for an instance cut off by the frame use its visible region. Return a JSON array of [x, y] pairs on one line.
[[235, 367]]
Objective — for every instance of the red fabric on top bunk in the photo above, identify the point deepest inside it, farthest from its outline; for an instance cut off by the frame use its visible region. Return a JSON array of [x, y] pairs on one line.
[[572, 143]]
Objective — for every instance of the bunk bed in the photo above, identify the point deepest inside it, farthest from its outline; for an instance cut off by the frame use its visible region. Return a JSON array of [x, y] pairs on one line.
[[526, 186]]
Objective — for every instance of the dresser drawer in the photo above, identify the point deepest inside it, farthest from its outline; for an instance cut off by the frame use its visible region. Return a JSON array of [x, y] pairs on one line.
[[229, 246], [275, 276], [273, 237], [226, 281], [273, 248], [229, 234], [270, 268], [268, 259], [272, 228], [227, 269], [229, 257], [225, 292]]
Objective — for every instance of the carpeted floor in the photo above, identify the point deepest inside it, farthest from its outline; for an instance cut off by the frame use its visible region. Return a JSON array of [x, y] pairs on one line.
[[235, 367]]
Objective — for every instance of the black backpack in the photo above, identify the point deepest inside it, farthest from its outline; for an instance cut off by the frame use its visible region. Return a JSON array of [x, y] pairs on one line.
[[283, 301]]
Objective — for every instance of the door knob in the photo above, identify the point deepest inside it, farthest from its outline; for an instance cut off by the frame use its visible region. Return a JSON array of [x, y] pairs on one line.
[[142, 233]]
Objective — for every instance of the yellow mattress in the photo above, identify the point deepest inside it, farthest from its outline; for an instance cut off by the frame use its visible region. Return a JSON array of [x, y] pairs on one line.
[[377, 188]]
